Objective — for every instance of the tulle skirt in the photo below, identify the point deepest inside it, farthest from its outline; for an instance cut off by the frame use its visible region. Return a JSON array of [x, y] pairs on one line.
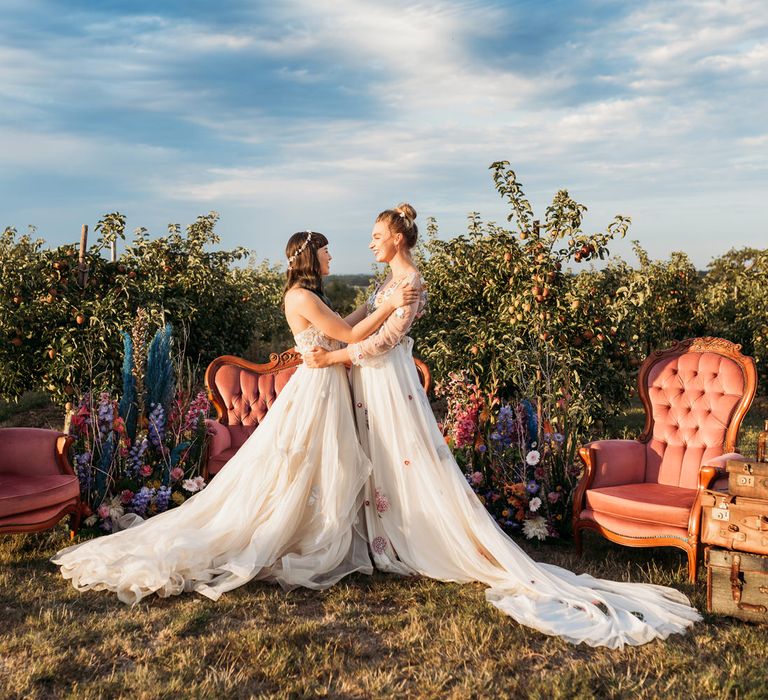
[[283, 509], [423, 517]]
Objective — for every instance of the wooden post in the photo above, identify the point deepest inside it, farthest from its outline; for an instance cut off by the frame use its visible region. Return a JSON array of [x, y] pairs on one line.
[[82, 269], [114, 251]]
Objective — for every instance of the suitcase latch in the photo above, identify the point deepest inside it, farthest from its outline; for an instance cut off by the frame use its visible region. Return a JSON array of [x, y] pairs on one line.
[[737, 586], [721, 513]]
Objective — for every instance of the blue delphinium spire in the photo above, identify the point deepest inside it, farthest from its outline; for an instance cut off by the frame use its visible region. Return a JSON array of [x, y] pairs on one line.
[[128, 409], [532, 422], [104, 468], [160, 378]]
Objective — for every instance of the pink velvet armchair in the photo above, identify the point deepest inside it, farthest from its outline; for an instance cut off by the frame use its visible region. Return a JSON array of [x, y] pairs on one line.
[[242, 393], [645, 492], [38, 486]]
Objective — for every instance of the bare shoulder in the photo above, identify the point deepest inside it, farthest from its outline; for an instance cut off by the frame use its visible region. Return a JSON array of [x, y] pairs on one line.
[[413, 277], [298, 296]]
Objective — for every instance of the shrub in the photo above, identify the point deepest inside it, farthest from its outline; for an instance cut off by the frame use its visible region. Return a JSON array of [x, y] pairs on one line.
[[59, 329]]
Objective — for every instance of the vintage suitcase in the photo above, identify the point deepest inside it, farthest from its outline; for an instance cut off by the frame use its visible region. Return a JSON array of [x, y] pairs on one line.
[[747, 478], [734, 522], [737, 584]]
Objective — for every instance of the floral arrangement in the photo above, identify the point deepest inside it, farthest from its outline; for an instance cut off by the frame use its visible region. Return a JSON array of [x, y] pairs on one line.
[[520, 463], [140, 453]]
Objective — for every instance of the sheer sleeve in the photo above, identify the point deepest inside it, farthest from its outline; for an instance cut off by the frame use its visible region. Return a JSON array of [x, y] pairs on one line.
[[392, 331]]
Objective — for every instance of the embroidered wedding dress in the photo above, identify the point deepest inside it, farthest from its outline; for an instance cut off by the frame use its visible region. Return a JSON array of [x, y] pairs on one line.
[[423, 517], [283, 509]]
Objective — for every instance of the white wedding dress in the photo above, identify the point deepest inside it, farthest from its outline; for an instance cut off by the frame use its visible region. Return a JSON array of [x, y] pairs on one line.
[[423, 517], [283, 509]]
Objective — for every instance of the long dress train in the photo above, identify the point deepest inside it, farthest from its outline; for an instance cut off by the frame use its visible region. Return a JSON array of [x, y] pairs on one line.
[[283, 509], [423, 517]]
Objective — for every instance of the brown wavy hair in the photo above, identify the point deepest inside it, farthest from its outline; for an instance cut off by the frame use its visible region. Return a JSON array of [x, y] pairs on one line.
[[402, 220], [304, 271]]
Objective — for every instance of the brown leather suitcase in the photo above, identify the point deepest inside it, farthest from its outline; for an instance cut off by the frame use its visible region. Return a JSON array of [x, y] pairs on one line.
[[737, 584], [748, 479], [734, 522]]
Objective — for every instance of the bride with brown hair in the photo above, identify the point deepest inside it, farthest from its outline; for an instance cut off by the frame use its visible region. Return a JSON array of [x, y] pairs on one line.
[[285, 507], [422, 516]]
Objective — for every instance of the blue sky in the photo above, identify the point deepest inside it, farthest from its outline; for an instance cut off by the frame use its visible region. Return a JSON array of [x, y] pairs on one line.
[[297, 114]]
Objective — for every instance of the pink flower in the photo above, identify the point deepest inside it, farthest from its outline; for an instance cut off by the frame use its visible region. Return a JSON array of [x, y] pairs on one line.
[[145, 470], [126, 496], [476, 478], [382, 502], [103, 511], [553, 497], [379, 545], [177, 473]]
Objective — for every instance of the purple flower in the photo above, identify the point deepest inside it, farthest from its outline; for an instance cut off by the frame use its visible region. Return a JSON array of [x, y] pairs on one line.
[[156, 425], [135, 456], [504, 433], [105, 413], [532, 487], [162, 498], [141, 500]]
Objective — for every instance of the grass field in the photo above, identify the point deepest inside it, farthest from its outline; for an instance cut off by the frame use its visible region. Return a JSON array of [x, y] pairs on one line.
[[378, 636]]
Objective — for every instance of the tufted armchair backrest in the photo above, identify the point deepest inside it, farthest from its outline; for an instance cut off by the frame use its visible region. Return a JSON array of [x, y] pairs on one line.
[[243, 391], [695, 396]]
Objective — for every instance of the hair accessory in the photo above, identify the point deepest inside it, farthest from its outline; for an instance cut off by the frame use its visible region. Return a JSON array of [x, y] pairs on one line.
[[299, 250], [402, 214]]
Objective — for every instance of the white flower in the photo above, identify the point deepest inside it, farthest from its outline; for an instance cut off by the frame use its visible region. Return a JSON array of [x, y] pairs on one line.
[[534, 504], [193, 485], [535, 527], [116, 508], [90, 521], [533, 457]]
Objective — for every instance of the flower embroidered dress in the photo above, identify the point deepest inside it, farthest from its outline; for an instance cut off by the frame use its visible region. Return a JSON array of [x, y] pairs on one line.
[[283, 509], [423, 517]]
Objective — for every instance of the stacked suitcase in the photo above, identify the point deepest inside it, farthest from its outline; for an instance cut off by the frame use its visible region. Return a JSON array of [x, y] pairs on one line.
[[735, 526]]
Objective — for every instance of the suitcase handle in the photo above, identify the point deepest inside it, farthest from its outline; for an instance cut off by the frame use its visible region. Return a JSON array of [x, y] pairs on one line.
[[752, 608]]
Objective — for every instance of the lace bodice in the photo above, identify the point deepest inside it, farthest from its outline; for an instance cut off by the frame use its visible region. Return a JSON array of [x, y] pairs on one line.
[[384, 291], [310, 337]]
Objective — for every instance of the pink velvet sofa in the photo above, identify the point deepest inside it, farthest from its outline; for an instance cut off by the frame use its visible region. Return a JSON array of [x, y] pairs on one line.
[[242, 393], [645, 492], [38, 486]]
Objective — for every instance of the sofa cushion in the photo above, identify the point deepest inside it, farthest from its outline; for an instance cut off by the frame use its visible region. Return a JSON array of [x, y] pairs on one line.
[[216, 462], [647, 502], [633, 529], [20, 494]]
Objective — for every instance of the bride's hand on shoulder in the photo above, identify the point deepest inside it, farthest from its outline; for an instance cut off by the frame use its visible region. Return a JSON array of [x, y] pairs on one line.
[[403, 296], [316, 358]]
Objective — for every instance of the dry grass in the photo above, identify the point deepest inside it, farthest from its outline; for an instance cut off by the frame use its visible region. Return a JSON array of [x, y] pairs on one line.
[[378, 636]]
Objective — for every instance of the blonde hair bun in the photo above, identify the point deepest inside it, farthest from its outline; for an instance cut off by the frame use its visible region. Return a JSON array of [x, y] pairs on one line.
[[406, 209]]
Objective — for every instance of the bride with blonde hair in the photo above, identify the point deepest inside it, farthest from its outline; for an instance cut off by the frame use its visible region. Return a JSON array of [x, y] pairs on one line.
[[421, 515]]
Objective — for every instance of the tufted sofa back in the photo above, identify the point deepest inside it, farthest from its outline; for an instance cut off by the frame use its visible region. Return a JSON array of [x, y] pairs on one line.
[[692, 400], [243, 392]]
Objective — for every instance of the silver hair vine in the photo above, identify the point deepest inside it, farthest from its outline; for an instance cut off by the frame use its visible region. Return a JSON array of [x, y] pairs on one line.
[[299, 250]]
